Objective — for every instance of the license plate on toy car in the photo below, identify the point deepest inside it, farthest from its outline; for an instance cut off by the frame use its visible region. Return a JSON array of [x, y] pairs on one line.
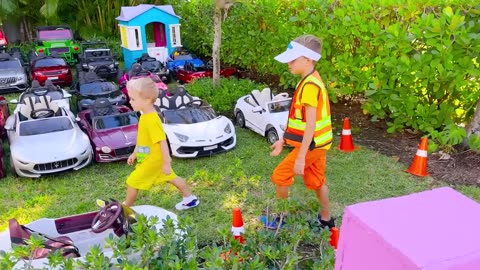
[[53, 78], [206, 148]]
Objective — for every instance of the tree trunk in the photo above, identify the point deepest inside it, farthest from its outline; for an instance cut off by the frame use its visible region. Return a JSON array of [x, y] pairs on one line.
[[474, 126], [217, 40]]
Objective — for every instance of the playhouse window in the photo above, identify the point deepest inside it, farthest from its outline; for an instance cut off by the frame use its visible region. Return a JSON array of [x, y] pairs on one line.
[[175, 35], [131, 37]]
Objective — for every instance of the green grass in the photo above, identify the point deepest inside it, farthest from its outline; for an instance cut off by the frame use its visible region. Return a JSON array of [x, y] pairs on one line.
[[239, 178]]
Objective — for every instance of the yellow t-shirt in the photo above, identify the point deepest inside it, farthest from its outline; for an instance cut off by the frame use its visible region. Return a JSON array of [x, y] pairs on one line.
[[150, 133], [310, 95]]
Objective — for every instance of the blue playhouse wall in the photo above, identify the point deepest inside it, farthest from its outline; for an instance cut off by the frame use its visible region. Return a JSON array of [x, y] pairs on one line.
[[151, 15]]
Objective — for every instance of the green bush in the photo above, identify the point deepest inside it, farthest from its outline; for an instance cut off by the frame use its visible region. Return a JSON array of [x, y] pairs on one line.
[[295, 246], [223, 97]]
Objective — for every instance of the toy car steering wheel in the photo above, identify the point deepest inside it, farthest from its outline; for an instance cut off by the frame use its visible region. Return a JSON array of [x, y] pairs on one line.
[[42, 113], [197, 102], [106, 217]]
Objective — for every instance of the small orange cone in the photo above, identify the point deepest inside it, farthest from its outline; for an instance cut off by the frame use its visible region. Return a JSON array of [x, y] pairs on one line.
[[419, 163], [346, 140], [334, 234], [237, 225]]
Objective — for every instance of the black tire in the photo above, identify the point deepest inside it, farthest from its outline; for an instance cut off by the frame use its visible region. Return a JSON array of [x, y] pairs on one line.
[[240, 119], [271, 135], [119, 74], [12, 168]]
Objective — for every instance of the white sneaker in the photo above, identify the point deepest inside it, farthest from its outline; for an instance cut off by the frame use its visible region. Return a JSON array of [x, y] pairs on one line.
[[184, 206]]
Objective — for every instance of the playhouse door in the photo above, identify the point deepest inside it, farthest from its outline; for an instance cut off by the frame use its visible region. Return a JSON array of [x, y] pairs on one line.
[[159, 34]]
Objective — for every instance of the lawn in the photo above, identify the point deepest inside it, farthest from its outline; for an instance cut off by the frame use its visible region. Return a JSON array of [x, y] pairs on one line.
[[239, 178]]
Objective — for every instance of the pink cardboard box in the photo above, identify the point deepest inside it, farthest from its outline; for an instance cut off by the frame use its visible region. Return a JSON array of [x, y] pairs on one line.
[[432, 230]]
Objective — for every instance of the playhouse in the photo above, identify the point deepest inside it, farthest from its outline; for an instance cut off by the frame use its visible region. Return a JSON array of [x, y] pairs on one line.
[[148, 29]]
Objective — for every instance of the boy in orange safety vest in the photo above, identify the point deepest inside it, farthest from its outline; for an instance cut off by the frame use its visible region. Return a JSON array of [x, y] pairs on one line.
[[309, 128]]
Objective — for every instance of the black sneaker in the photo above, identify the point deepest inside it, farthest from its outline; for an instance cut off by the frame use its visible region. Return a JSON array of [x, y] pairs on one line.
[[323, 223]]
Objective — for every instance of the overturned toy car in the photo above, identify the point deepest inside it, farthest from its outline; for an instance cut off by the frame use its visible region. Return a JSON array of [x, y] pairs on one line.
[[192, 127], [75, 235], [263, 113]]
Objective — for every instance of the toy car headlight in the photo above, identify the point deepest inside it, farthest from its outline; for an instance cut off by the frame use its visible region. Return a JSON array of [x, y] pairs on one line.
[[227, 129], [181, 137], [85, 66], [111, 66], [106, 149], [283, 127], [21, 78]]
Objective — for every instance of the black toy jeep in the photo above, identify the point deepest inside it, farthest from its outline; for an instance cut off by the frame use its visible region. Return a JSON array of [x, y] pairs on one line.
[[97, 57]]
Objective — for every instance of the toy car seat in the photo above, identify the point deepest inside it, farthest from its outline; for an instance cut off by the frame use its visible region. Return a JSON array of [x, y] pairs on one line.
[[102, 107], [35, 84], [181, 98], [135, 70], [45, 102], [26, 108], [19, 235], [162, 102], [255, 94]]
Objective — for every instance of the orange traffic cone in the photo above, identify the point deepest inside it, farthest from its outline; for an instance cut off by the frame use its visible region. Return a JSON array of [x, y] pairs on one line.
[[346, 140], [237, 225], [419, 163], [334, 235]]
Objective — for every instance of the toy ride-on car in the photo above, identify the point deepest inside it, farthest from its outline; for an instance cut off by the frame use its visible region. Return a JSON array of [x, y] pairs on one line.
[[90, 87], [156, 67], [57, 40], [55, 93], [192, 127], [138, 72], [74, 236], [45, 138], [12, 74], [51, 68], [97, 57], [3, 41], [189, 72], [112, 130], [263, 113]]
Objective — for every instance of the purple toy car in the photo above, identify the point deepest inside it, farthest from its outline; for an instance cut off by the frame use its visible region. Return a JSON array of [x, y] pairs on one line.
[[112, 130]]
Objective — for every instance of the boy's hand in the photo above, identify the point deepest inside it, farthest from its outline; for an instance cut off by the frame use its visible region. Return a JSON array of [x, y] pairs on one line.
[[277, 148], [299, 167], [166, 168], [131, 158]]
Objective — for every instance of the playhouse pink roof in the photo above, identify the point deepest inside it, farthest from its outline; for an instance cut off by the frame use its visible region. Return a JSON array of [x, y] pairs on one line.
[[128, 13]]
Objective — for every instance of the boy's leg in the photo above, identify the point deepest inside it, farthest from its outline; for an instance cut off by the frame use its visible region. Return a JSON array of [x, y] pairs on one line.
[[322, 196], [282, 192], [283, 174], [189, 200], [131, 196]]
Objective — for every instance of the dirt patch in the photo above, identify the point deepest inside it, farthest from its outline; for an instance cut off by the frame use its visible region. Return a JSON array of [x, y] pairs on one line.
[[462, 167]]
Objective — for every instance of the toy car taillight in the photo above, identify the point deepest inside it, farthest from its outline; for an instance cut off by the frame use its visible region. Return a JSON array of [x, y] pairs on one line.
[[75, 48], [40, 50], [3, 42], [65, 71]]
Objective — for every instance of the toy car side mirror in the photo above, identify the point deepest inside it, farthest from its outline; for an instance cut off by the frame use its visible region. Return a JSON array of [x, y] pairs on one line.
[[8, 126], [13, 101], [77, 119], [257, 109]]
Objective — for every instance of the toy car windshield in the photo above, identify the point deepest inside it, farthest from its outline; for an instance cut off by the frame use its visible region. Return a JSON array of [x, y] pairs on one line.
[[184, 57], [115, 121], [59, 34], [279, 106], [151, 65], [10, 64], [189, 115], [50, 62], [97, 88], [43, 126]]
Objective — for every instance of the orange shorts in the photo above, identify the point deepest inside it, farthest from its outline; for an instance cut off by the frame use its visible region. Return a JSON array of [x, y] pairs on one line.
[[313, 174]]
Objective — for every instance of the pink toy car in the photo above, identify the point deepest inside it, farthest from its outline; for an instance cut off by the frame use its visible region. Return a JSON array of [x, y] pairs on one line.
[[138, 72]]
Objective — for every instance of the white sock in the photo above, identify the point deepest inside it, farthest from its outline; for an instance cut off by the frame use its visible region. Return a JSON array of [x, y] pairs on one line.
[[189, 198]]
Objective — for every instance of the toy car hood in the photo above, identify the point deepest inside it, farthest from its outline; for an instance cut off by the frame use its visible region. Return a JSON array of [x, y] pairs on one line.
[[50, 147], [116, 138], [208, 130]]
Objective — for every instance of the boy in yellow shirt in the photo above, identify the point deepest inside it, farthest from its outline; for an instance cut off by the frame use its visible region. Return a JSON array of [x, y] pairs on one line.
[[152, 154]]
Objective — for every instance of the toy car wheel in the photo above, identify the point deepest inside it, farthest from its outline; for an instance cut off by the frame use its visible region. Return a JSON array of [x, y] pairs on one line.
[[240, 119], [12, 168], [271, 135], [119, 74]]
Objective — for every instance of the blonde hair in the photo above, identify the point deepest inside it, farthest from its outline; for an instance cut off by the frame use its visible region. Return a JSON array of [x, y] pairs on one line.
[[311, 42], [145, 87]]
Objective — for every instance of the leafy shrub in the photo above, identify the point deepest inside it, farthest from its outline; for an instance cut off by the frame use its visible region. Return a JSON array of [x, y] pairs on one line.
[[295, 246], [223, 97]]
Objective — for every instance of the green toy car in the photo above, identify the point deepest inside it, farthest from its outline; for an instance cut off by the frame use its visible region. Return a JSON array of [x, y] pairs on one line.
[[57, 40]]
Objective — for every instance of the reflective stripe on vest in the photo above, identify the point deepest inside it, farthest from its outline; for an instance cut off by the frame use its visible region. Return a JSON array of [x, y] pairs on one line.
[[322, 137]]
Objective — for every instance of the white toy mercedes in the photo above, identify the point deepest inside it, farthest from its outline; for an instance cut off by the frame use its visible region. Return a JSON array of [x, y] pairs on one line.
[[192, 127], [263, 113], [45, 138]]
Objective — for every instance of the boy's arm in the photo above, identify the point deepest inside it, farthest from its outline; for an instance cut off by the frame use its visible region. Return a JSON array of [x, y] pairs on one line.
[[165, 152]]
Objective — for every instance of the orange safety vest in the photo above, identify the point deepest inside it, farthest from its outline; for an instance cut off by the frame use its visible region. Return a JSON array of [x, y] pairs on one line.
[[297, 121]]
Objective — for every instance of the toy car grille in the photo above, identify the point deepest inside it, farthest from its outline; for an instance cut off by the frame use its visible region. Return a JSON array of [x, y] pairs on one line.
[[8, 80], [55, 165], [59, 50], [202, 149], [124, 151]]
